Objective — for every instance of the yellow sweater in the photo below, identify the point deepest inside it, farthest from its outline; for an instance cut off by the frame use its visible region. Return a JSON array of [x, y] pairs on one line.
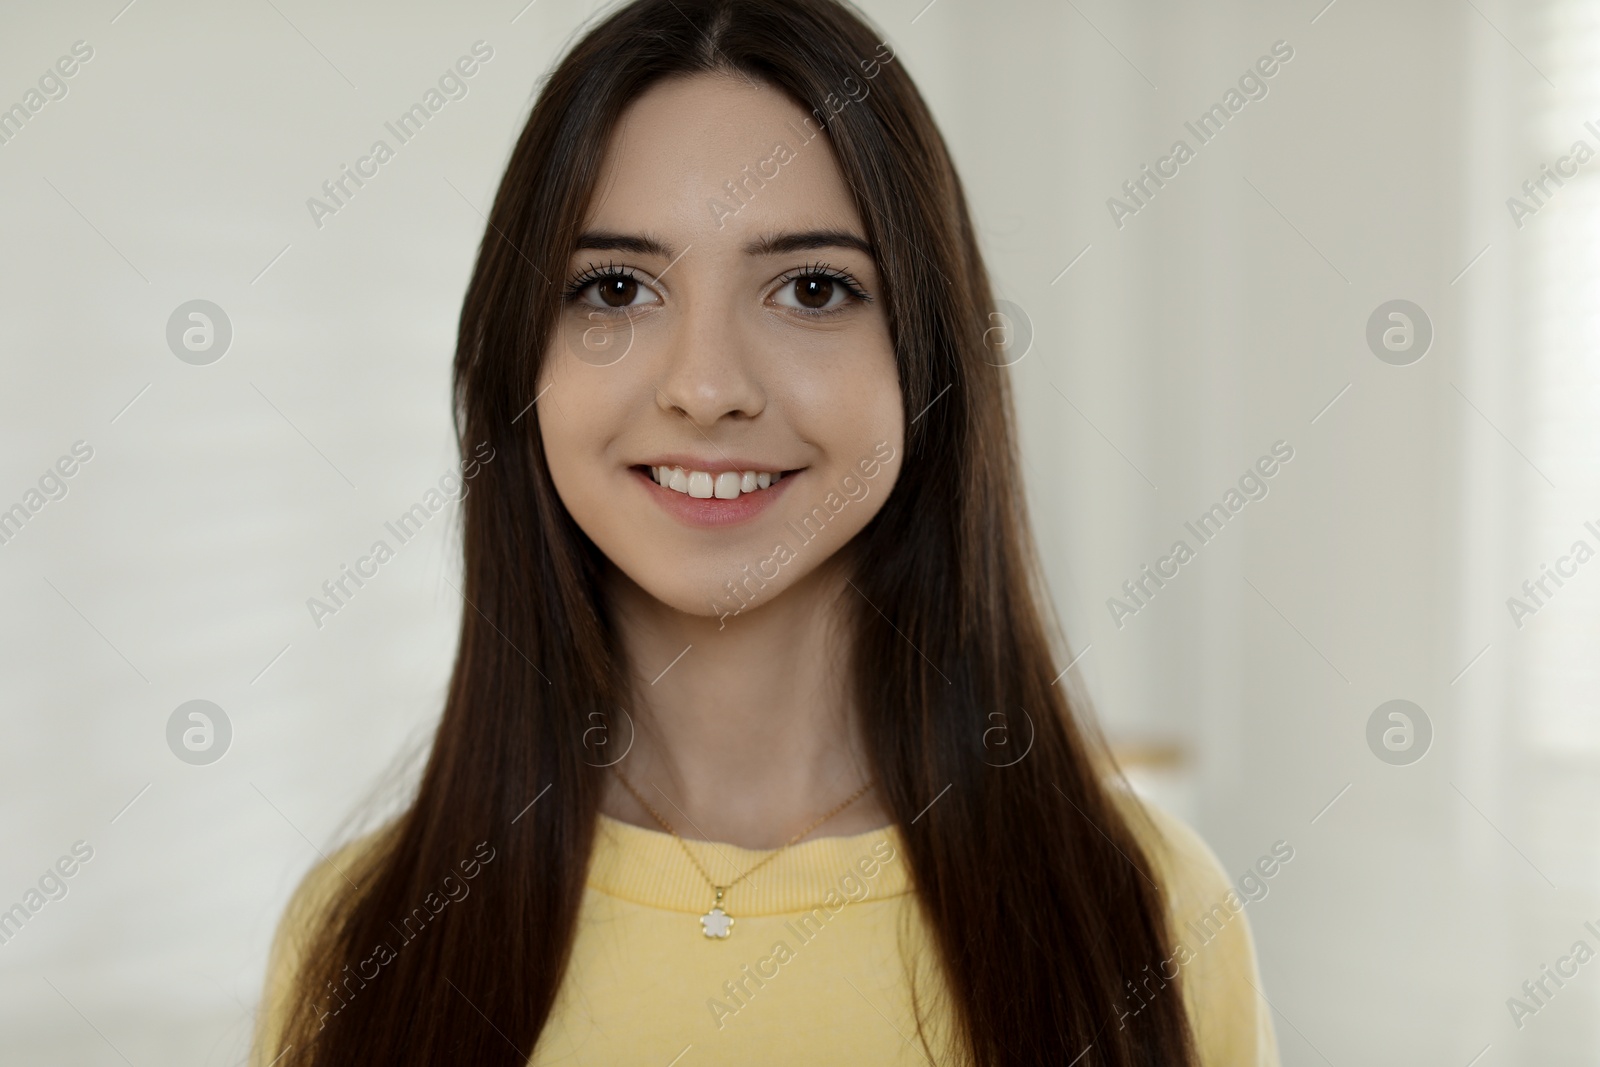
[[812, 971]]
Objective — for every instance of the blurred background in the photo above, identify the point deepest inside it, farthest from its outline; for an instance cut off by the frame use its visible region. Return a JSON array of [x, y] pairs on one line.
[[1378, 258]]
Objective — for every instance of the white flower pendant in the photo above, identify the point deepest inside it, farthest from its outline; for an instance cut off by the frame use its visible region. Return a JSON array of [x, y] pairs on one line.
[[716, 922]]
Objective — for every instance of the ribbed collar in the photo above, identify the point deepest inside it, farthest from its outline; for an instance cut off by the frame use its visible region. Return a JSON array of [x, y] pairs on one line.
[[649, 867]]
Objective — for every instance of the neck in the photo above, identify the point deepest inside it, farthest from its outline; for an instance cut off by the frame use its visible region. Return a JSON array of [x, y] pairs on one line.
[[746, 728]]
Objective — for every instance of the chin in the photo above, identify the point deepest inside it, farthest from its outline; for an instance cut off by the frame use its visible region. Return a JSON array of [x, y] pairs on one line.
[[730, 585]]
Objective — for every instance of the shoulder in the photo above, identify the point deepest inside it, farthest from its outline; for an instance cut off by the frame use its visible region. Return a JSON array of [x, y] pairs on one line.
[[329, 881], [1213, 956]]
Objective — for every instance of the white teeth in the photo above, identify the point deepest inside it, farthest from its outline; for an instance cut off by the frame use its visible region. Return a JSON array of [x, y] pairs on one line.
[[702, 485]]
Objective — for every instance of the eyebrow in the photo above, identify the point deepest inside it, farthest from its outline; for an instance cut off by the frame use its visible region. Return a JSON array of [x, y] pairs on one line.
[[779, 244], [638, 244], [774, 244]]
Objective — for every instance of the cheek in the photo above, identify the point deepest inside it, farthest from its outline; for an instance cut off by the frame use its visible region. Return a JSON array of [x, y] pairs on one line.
[[836, 388], [852, 408], [846, 396], [581, 410]]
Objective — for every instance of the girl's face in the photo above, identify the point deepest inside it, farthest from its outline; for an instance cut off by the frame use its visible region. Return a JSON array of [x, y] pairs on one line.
[[720, 406]]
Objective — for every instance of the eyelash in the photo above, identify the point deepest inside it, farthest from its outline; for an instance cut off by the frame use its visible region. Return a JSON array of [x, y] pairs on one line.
[[834, 274], [594, 273]]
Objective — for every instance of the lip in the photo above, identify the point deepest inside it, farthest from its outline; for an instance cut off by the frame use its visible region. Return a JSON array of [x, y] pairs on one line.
[[712, 466], [712, 512]]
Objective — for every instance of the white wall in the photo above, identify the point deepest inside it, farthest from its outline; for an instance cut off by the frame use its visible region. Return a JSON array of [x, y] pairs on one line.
[[1222, 317]]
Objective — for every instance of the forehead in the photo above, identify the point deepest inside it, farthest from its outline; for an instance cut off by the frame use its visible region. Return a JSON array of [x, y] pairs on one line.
[[714, 158]]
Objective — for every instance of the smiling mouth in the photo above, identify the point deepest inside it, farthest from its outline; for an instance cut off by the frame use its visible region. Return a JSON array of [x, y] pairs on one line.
[[703, 485]]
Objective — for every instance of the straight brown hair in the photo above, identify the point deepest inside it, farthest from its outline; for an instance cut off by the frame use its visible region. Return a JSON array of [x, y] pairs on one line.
[[1028, 876]]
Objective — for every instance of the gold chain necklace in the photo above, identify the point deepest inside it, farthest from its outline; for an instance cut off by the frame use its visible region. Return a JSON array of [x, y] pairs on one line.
[[717, 923]]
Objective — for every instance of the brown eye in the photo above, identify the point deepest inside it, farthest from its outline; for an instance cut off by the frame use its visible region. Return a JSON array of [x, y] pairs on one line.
[[618, 291], [814, 291], [818, 290], [612, 290]]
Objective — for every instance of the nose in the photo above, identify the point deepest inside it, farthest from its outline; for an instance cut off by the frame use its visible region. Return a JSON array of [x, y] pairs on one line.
[[710, 371]]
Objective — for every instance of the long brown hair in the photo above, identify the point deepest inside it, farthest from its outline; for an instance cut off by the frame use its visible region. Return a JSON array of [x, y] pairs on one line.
[[1029, 876]]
